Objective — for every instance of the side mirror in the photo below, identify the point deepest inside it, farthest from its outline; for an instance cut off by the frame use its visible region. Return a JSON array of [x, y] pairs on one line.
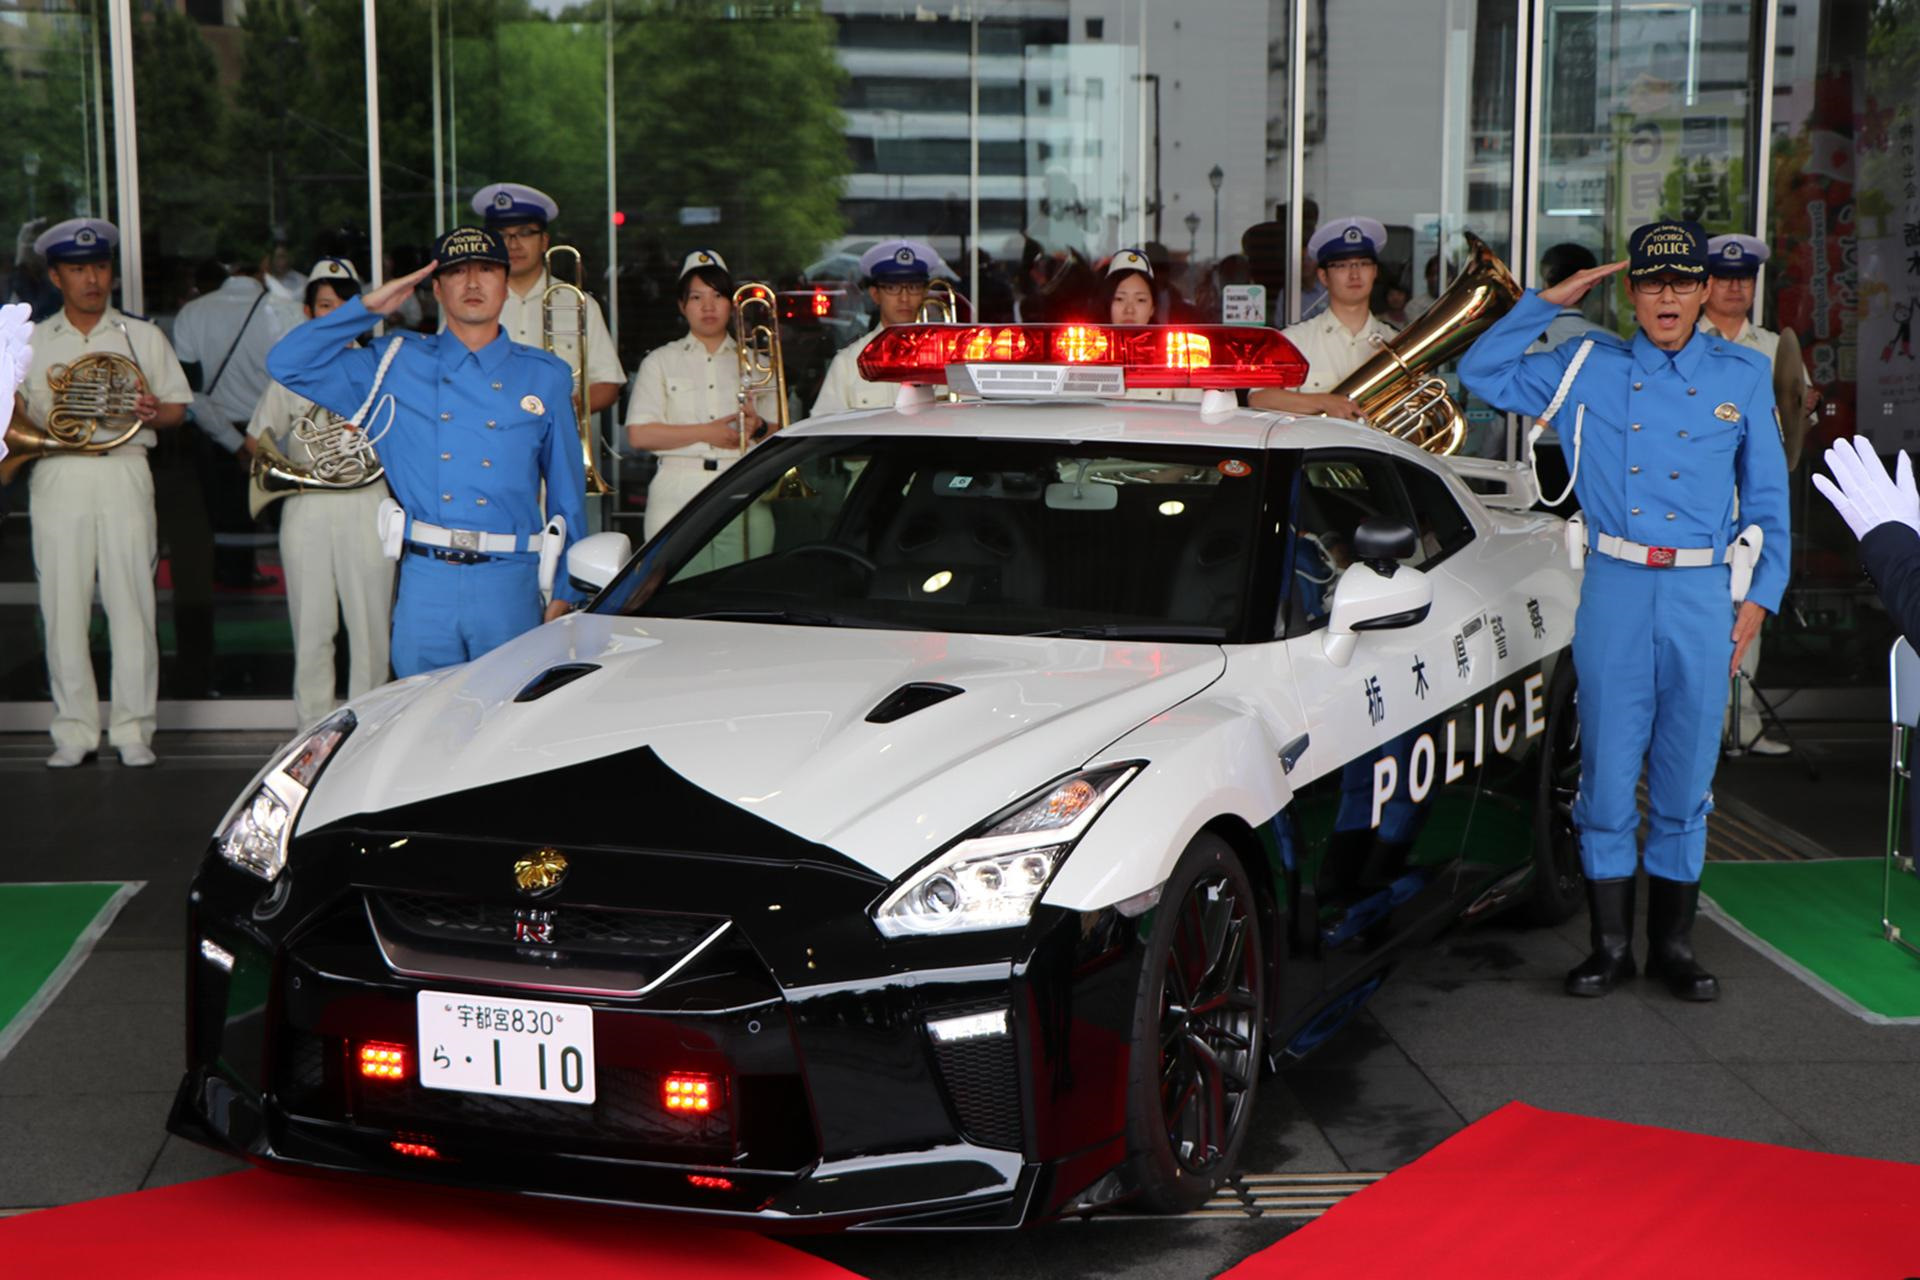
[[1376, 593], [594, 560]]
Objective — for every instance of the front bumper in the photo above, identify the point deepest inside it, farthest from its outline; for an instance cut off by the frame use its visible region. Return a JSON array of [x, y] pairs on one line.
[[839, 1108]]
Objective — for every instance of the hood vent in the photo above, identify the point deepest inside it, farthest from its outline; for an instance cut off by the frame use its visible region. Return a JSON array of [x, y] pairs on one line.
[[909, 698], [553, 678]]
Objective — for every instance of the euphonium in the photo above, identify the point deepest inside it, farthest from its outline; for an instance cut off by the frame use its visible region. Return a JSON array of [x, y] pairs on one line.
[[563, 332], [92, 396], [1395, 389], [338, 457]]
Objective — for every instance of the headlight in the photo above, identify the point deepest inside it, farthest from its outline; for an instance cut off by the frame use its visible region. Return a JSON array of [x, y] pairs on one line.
[[255, 833], [992, 878]]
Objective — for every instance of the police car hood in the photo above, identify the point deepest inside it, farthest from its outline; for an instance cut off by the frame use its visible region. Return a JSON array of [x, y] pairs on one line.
[[774, 719]]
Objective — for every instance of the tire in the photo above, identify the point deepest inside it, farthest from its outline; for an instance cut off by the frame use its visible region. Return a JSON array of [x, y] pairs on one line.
[[1559, 886], [1195, 1065]]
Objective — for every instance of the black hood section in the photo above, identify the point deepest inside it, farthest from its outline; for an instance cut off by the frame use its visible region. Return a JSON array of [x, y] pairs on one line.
[[627, 801], [554, 678], [909, 698]]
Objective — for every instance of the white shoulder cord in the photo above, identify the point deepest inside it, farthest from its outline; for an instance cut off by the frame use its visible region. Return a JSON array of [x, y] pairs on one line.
[[1579, 416], [386, 401]]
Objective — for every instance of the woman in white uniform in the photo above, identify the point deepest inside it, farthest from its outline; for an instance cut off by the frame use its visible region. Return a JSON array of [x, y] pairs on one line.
[[685, 406], [329, 542], [1128, 296]]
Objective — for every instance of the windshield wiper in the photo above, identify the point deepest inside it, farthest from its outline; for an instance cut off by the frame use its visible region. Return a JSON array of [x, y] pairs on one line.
[[793, 617], [1114, 631]]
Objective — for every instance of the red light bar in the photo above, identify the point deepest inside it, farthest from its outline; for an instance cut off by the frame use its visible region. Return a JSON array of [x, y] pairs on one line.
[[709, 1182], [419, 1150], [689, 1093], [1208, 355], [379, 1061]]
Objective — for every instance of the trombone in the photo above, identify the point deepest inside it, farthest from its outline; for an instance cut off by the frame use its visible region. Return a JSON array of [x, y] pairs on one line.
[[756, 340], [942, 305], [563, 328]]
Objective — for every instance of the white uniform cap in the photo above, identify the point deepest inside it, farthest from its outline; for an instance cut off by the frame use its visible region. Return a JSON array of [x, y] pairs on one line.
[[78, 240], [1347, 238], [506, 203], [1130, 260], [331, 270], [702, 258]]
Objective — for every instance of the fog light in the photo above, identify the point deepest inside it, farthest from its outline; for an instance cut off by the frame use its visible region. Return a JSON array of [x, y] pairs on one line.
[[380, 1061], [968, 1026], [688, 1093], [409, 1145]]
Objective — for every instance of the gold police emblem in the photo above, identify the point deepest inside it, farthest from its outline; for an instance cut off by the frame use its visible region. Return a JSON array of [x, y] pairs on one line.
[[532, 403], [1726, 411], [541, 873]]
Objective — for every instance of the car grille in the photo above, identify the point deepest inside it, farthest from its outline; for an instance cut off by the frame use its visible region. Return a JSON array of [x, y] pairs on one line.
[[432, 918], [983, 1084]]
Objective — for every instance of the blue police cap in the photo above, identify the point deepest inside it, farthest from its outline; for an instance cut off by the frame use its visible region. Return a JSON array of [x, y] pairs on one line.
[[1347, 238], [506, 204], [899, 261], [468, 244], [1735, 255], [78, 240], [1667, 249]]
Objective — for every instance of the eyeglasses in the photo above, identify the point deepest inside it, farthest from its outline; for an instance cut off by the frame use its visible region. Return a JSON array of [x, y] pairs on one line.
[[901, 290], [514, 235], [1649, 288]]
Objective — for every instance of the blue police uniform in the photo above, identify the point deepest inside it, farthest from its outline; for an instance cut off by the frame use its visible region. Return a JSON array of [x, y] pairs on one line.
[[1668, 442], [474, 434]]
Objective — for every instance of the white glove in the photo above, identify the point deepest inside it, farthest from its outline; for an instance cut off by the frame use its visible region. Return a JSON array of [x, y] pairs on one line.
[[1862, 492], [16, 357]]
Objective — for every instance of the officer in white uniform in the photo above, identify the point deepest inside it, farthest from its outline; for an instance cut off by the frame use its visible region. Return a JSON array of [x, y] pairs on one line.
[[1339, 340], [93, 515], [1130, 298], [685, 407], [520, 214], [329, 542], [896, 273]]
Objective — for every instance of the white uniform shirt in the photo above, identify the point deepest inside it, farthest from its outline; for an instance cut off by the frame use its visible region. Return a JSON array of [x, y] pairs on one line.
[[845, 389], [56, 341], [1331, 351], [520, 317], [1765, 341], [681, 384], [207, 327]]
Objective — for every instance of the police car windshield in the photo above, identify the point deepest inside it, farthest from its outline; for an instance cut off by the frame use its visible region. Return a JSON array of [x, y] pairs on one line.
[[932, 533]]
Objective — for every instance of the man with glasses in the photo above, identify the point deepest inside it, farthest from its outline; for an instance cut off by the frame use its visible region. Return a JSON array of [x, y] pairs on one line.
[[896, 273], [520, 214], [1666, 433], [1733, 267], [1338, 340]]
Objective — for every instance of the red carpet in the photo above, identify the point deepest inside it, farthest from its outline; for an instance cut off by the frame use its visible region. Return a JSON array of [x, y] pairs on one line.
[[1527, 1193], [296, 1228]]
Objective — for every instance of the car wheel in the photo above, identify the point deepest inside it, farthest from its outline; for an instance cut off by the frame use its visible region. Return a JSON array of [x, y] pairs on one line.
[[1196, 1031], [1559, 887]]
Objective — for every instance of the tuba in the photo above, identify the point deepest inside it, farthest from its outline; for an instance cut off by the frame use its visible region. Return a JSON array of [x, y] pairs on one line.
[[1396, 390], [563, 330], [338, 457], [93, 411]]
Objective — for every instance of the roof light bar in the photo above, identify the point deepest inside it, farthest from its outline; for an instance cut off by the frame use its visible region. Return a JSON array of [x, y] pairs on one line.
[[1213, 355]]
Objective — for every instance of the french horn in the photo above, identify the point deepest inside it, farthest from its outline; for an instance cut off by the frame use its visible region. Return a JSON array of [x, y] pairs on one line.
[[335, 457], [94, 401]]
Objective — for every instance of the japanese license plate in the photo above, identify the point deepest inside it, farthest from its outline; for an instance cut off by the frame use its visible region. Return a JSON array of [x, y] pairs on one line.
[[516, 1048]]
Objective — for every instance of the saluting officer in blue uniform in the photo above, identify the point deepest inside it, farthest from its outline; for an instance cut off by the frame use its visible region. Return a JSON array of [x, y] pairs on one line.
[[480, 421], [1664, 431]]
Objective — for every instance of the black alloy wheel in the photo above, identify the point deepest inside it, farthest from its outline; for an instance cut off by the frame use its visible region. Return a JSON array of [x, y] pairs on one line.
[[1559, 884], [1198, 1017]]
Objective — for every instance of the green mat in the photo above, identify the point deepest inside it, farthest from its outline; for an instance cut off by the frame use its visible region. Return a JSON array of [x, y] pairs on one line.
[[46, 933], [1822, 919]]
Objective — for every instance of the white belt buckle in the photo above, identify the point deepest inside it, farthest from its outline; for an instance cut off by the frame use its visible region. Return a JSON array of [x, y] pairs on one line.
[[463, 539]]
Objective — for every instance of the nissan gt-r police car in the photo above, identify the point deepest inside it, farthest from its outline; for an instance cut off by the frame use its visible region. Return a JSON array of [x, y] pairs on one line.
[[943, 822]]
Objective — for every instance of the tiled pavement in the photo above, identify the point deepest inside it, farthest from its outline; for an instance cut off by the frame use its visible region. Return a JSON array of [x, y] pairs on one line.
[[1471, 1022]]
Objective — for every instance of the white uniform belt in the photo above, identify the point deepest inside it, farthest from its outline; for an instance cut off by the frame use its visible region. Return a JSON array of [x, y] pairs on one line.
[[1656, 557], [697, 462], [433, 535]]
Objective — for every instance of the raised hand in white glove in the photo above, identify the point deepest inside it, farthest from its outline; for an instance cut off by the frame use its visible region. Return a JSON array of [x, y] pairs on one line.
[[16, 357], [1863, 493]]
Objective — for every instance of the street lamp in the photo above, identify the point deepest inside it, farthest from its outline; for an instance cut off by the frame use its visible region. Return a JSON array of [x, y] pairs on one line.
[[1193, 235], [1216, 176]]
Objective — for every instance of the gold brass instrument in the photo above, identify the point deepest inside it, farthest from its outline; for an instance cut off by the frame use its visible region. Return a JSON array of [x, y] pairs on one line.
[[1394, 389], [94, 399], [942, 305], [563, 331], [338, 457], [756, 340]]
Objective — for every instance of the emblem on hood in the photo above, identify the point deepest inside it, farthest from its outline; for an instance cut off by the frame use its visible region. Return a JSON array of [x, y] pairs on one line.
[[541, 873]]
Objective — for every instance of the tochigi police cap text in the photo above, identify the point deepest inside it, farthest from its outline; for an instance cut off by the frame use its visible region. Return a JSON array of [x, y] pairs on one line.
[[468, 244], [1667, 249]]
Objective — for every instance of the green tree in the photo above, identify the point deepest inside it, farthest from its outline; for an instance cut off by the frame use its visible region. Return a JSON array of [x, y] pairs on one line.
[[185, 190]]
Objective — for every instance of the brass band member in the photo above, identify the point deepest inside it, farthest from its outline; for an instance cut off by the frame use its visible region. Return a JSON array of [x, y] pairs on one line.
[[685, 405], [93, 514], [1340, 339], [329, 542], [1130, 296], [897, 273]]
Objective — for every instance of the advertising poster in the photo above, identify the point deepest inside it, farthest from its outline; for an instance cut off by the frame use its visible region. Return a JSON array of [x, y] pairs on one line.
[[1887, 206]]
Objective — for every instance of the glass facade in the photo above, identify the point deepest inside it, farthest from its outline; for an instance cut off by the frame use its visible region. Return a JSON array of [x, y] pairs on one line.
[[1025, 140]]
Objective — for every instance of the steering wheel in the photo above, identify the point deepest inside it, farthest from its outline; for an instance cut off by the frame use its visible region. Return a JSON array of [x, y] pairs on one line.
[[834, 549]]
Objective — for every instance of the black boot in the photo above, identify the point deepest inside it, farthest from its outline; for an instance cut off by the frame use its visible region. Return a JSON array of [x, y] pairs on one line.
[[1670, 909], [1610, 906]]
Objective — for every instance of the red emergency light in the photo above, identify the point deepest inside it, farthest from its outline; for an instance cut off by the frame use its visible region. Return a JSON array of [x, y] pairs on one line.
[[1208, 355]]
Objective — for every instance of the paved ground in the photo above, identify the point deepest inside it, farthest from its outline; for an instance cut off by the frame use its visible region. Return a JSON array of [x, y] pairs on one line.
[[1470, 1023]]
